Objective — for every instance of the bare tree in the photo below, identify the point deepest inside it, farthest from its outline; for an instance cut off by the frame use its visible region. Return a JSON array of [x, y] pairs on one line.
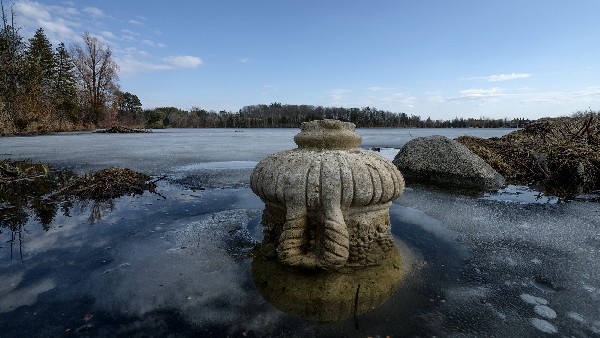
[[97, 77], [11, 72]]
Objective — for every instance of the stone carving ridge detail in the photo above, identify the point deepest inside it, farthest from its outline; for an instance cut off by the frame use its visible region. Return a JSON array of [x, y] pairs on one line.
[[326, 202]]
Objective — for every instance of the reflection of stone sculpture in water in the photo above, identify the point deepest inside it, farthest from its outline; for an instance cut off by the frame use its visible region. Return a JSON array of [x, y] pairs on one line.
[[327, 202], [323, 295]]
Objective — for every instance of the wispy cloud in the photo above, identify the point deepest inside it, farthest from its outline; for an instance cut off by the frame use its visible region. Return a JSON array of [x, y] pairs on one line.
[[32, 10], [584, 96], [135, 22], [129, 32], [244, 60], [379, 89], [58, 22], [184, 61], [129, 66], [338, 95], [94, 11], [499, 77], [153, 44], [478, 94], [506, 77], [107, 34]]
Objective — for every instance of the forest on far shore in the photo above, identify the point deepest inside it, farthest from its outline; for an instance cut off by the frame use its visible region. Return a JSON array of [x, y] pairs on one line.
[[277, 115]]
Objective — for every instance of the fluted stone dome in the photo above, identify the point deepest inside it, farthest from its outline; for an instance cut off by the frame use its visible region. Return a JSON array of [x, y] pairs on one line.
[[327, 201]]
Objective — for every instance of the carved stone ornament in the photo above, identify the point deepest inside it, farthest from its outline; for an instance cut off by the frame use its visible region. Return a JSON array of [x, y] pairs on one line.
[[327, 201]]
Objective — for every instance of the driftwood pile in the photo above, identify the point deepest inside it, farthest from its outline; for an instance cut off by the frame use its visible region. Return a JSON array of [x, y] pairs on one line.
[[558, 155], [106, 184]]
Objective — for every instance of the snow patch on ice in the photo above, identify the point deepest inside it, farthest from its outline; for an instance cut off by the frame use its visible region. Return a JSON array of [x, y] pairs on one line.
[[576, 317], [533, 300], [217, 165], [545, 311], [543, 325]]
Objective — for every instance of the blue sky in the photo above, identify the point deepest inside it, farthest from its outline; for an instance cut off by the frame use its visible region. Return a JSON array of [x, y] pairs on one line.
[[433, 58]]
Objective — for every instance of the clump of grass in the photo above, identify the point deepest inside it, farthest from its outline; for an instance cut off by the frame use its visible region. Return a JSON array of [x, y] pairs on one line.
[[555, 154]]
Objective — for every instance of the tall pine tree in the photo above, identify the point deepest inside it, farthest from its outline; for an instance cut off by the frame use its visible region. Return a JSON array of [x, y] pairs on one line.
[[40, 64], [38, 102], [65, 91]]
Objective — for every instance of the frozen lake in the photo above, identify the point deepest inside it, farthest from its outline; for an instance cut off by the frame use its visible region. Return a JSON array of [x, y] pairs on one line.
[[502, 265]]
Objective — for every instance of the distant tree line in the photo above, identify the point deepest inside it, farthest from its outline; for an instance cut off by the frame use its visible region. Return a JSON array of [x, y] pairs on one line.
[[44, 89], [277, 115]]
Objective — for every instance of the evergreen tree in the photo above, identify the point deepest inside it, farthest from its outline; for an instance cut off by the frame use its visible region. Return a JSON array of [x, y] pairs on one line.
[[40, 65], [130, 109], [39, 70], [64, 89]]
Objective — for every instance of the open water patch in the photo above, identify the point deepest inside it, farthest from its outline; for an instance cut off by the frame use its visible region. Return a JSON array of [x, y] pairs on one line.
[[521, 195]]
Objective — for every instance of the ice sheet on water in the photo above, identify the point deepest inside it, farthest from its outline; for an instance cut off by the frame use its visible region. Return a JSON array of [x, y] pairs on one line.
[[524, 246], [223, 165], [194, 268]]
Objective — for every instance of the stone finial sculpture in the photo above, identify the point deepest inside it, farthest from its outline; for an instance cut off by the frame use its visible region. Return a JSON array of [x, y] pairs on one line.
[[326, 202]]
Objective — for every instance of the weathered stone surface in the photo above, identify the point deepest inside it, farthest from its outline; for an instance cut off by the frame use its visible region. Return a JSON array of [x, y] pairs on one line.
[[326, 202], [441, 161]]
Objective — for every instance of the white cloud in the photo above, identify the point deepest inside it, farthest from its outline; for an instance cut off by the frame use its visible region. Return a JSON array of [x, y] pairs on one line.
[[479, 94], [32, 11], [129, 51], [338, 95], [499, 77], [583, 97], [58, 22], [107, 34], [135, 22], [68, 10], [129, 66], [184, 61], [379, 89], [153, 44], [506, 77], [244, 60], [130, 32], [94, 11]]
